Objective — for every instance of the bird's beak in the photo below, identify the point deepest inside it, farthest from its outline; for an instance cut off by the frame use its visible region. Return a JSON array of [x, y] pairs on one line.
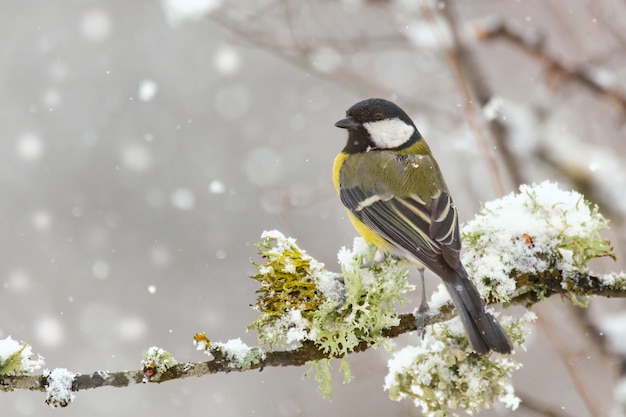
[[347, 123]]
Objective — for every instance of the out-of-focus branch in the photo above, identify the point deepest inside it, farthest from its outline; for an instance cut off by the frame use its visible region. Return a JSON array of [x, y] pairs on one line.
[[477, 83], [539, 407], [598, 336], [545, 321], [582, 180], [534, 46], [298, 49], [465, 85]]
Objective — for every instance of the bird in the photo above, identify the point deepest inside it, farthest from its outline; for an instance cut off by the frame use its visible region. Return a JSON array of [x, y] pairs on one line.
[[396, 198]]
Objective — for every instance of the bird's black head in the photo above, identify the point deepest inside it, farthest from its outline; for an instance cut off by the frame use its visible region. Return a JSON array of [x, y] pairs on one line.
[[376, 123]]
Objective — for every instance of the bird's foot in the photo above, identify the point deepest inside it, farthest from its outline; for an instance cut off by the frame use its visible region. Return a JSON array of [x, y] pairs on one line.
[[420, 319], [422, 311]]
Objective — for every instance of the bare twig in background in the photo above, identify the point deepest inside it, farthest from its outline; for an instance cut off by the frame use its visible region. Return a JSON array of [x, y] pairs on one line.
[[583, 180], [598, 337], [298, 54], [534, 46], [545, 322], [539, 407], [298, 49], [471, 113], [590, 328], [608, 20], [480, 89]]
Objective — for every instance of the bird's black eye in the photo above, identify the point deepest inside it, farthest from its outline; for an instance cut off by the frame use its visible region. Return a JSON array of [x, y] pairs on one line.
[[378, 116]]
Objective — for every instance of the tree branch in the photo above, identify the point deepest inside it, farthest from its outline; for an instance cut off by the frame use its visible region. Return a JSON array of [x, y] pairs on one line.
[[539, 289]]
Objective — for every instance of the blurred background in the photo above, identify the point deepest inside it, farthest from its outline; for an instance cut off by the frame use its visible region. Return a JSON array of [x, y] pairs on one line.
[[146, 145]]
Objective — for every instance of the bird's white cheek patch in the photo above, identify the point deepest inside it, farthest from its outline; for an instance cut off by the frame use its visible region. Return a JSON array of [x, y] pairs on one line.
[[389, 133]]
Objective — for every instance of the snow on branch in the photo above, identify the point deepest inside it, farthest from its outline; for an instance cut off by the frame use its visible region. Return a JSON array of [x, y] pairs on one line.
[[519, 249]]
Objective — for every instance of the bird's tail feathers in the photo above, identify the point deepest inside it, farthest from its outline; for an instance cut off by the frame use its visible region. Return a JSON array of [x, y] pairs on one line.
[[483, 330]]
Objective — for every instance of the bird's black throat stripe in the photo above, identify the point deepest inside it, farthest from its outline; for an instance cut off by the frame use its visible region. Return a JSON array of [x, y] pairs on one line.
[[359, 141]]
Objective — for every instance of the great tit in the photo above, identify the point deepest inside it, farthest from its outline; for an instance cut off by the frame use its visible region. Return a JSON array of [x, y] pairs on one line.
[[396, 199]]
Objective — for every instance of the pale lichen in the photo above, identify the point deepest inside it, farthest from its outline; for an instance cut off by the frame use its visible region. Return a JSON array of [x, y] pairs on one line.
[[301, 301], [444, 373], [155, 362], [15, 358]]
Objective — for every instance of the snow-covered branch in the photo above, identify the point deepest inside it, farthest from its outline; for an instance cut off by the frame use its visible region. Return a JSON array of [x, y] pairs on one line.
[[520, 249]]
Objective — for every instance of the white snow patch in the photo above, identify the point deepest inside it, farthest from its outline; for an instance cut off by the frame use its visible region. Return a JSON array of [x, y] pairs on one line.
[[59, 387], [438, 299], [510, 400], [297, 329], [330, 286], [352, 259], [234, 349]]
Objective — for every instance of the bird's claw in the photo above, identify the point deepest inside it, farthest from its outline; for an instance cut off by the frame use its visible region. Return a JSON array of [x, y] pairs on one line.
[[420, 319], [422, 311]]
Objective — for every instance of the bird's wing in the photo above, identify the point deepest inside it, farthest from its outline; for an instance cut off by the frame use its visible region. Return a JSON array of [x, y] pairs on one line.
[[444, 228], [422, 222]]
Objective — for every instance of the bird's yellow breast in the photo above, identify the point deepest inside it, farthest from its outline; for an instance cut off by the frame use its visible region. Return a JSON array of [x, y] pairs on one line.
[[339, 160], [364, 230]]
